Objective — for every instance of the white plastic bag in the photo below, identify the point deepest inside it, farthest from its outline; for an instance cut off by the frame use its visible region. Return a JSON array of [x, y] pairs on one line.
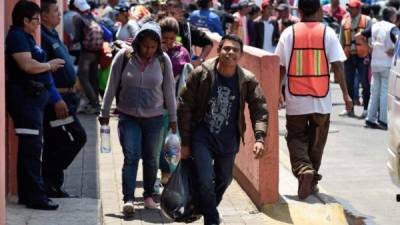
[[172, 148]]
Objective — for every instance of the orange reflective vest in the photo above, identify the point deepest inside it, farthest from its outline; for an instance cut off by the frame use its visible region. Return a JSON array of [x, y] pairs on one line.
[[308, 72], [361, 49]]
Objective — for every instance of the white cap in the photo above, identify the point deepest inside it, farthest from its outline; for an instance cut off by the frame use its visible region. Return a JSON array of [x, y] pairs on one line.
[[82, 5]]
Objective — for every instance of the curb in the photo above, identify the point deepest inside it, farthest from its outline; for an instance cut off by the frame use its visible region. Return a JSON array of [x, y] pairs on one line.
[[299, 213], [317, 209]]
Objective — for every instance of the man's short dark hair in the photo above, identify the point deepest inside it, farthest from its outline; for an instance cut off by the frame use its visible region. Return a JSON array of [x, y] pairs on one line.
[[203, 4], [387, 13], [24, 9], [394, 3], [232, 37], [309, 7], [45, 5], [71, 5], [174, 3]]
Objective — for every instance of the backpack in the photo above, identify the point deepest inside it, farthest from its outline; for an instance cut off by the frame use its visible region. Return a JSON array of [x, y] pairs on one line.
[[93, 35]]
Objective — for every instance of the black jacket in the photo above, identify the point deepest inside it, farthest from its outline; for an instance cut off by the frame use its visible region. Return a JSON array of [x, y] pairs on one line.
[[198, 37], [258, 41]]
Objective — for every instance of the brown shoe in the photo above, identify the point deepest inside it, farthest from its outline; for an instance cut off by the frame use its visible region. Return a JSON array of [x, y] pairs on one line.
[[305, 184]]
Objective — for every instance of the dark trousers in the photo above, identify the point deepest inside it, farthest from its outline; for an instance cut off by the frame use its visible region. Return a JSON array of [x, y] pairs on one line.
[[306, 138], [27, 114], [87, 73], [213, 178], [355, 66], [61, 143]]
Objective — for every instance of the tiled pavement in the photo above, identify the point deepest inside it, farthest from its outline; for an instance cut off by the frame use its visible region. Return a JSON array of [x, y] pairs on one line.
[[236, 208]]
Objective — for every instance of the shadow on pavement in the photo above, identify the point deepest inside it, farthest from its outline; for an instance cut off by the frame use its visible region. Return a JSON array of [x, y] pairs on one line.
[[353, 216], [279, 212]]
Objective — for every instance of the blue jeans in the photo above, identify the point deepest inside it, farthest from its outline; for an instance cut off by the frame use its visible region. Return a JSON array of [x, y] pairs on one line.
[[213, 178], [139, 137], [379, 91], [355, 66]]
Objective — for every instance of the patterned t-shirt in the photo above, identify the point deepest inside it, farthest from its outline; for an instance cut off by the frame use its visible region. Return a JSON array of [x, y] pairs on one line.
[[220, 124]]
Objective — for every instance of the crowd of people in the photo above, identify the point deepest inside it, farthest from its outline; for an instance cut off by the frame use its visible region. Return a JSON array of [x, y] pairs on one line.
[[151, 57]]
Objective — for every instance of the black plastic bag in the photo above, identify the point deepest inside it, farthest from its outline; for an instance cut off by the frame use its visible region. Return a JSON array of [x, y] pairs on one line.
[[178, 199]]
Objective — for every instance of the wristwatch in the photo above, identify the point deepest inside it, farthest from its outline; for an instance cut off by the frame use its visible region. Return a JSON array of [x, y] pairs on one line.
[[201, 59]]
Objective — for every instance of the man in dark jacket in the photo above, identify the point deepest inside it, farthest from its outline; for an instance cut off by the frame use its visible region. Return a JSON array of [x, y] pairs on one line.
[[190, 34], [63, 134], [266, 29], [211, 121]]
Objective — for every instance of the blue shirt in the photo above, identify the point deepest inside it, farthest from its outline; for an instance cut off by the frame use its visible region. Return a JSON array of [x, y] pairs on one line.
[[206, 19], [220, 124], [19, 41], [64, 77]]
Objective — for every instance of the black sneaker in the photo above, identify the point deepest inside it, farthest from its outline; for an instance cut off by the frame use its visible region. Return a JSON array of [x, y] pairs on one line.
[[369, 124], [44, 205], [382, 125], [54, 192]]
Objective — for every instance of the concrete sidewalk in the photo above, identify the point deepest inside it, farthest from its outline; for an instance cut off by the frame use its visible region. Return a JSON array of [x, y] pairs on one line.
[[236, 207], [96, 178]]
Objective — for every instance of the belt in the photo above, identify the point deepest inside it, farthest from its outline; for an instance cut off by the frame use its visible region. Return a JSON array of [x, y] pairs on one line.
[[66, 90]]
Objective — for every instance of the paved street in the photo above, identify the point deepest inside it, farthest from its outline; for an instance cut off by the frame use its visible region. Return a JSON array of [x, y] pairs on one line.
[[354, 167]]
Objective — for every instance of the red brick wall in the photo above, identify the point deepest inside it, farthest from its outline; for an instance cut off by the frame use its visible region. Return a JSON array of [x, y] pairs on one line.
[[2, 123]]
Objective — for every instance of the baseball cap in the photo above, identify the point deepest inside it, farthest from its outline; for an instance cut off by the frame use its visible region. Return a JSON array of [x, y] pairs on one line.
[[354, 4], [283, 7], [121, 8], [264, 4], [243, 3], [82, 5]]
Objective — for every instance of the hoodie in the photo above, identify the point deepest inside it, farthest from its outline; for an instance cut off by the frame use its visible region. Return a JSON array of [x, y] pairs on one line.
[[143, 90]]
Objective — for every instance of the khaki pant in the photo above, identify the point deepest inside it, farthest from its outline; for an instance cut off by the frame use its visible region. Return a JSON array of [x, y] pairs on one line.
[[306, 137]]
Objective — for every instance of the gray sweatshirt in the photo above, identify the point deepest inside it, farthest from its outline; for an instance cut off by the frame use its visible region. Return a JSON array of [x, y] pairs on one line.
[[143, 92]]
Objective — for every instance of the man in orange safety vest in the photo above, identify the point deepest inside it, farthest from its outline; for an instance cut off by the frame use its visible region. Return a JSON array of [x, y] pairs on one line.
[[307, 50], [357, 54]]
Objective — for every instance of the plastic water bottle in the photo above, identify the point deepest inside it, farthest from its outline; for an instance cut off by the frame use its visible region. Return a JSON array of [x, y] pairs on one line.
[[172, 148], [172, 158], [105, 139], [157, 186]]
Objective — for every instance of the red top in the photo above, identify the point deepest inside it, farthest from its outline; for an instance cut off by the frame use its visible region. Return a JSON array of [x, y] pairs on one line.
[[338, 14]]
